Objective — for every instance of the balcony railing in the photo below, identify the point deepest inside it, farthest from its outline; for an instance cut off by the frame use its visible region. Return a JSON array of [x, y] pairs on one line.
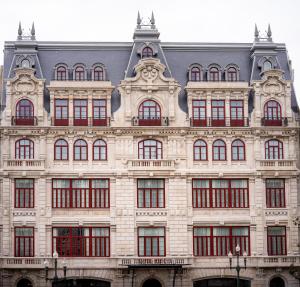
[[276, 164], [24, 121], [88, 122], [274, 122], [24, 164], [163, 121], [151, 164], [219, 122]]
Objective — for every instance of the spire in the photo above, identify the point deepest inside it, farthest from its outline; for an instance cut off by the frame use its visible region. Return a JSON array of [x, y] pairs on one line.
[[256, 33], [152, 21], [20, 32], [32, 32], [139, 20], [269, 33]]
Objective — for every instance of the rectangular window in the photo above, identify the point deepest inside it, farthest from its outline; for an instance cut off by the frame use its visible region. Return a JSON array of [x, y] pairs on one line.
[[81, 241], [220, 193], [218, 113], [237, 113], [199, 113], [151, 193], [218, 241], [275, 193], [151, 241], [24, 241], [276, 240], [80, 193], [61, 116], [99, 113], [24, 193], [80, 113]]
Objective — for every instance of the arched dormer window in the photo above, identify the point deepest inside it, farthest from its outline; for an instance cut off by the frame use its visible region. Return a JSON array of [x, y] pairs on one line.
[[61, 150], [273, 149], [238, 150], [61, 73], [150, 149], [232, 73], [98, 73], [147, 52], [267, 65], [149, 113], [219, 150], [25, 63], [214, 73], [80, 150], [24, 149], [272, 114], [79, 73], [24, 113], [200, 150], [99, 150], [195, 73]]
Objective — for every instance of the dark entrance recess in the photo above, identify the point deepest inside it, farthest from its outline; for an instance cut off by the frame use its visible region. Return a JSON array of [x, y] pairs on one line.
[[81, 283], [222, 282], [24, 283], [152, 283], [277, 282]]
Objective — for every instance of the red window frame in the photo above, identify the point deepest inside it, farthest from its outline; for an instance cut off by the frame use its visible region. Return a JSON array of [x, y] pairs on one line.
[[95, 194], [147, 52], [273, 149], [232, 74], [195, 74], [76, 244], [213, 245], [80, 108], [150, 194], [214, 74], [98, 73], [24, 149], [199, 113], [151, 240], [150, 149], [272, 114], [236, 113], [61, 73], [25, 113], [220, 193], [99, 150], [200, 150], [61, 112], [99, 112], [149, 113], [238, 151], [218, 113], [79, 73], [275, 193], [80, 150], [276, 242], [24, 193], [218, 150], [25, 241], [61, 150]]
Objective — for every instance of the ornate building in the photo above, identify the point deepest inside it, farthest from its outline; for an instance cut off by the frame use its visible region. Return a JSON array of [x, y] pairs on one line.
[[146, 163]]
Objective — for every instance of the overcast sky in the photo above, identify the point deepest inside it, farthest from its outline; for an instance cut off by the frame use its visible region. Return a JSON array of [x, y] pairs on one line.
[[176, 20]]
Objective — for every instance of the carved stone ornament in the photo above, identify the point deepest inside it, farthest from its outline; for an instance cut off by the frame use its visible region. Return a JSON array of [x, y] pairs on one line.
[[24, 80], [273, 82], [149, 73]]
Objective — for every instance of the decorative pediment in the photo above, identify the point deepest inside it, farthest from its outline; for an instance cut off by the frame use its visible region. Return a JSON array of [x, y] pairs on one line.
[[273, 82]]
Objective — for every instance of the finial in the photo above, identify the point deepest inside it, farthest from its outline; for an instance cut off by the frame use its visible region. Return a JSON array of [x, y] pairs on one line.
[[269, 33], [20, 32], [139, 20], [32, 32], [256, 34], [152, 21]]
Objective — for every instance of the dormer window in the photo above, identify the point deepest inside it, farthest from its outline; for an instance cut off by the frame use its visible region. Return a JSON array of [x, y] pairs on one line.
[[267, 66], [98, 74], [195, 74], [79, 73], [214, 74], [25, 63], [147, 52], [232, 74], [61, 73]]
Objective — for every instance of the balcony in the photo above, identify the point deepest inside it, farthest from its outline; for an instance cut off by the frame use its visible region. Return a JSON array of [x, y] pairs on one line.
[[88, 122], [24, 121], [282, 122], [23, 262], [221, 122], [149, 164], [274, 164], [163, 121], [24, 164]]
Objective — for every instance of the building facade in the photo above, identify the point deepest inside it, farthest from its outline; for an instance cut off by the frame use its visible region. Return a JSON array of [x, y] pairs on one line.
[[146, 163]]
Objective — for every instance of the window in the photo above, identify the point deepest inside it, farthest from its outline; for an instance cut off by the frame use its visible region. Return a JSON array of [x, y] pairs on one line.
[[199, 113], [218, 113], [24, 242], [24, 113], [81, 241], [238, 150], [80, 193], [275, 193], [149, 114], [151, 241], [24, 193], [25, 63], [232, 74], [150, 149], [237, 113], [276, 240], [61, 73], [61, 150], [24, 149], [218, 241], [219, 150], [272, 114], [98, 74], [200, 150], [80, 113], [220, 193], [195, 74], [273, 149], [99, 113], [267, 66], [80, 150], [147, 52], [61, 112], [151, 193], [214, 74], [99, 150], [79, 73]]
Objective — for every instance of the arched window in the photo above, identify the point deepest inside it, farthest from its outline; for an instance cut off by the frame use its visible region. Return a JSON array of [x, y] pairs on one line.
[[98, 74], [200, 150], [61, 73], [99, 150], [267, 66], [149, 114], [277, 282], [238, 150], [195, 74], [24, 283], [80, 150], [272, 114], [150, 149], [147, 52], [273, 149], [232, 74], [219, 150], [61, 150], [24, 149], [79, 73], [24, 112], [214, 74], [25, 63]]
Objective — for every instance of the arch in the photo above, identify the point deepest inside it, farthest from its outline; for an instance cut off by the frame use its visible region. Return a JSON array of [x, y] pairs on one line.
[[277, 282], [214, 73], [273, 149], [221, 282], [149, 113], [267, 65], [200, 150], [79, 72], [80, 150], [238, 151], [232, 73], [150, 149], [219, 150], [24, 112], [82, 283], [272, 113], [98, 72], [147, 52], [195, 73], [24, 149], [28, 61], [24, 282], [152, 282], [61, 150], [270, 59], [99, 150]]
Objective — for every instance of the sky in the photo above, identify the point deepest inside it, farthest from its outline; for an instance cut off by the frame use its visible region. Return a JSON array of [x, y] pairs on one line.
[[176, 20]]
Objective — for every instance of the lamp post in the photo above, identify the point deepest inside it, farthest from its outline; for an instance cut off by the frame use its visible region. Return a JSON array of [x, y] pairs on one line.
[[55, 279], [238, 267]]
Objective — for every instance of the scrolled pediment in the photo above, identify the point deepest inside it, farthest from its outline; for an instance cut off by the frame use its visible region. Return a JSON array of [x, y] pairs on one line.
[[24, 80], [273, 82]]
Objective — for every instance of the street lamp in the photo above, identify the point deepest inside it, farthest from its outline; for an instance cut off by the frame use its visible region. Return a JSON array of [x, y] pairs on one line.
[[55, 279], [238, 267]]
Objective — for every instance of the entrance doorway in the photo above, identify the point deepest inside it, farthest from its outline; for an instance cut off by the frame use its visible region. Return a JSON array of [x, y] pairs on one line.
[[277, 282], [152, 283], [221, 282], [81, 283], [24, 283]]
